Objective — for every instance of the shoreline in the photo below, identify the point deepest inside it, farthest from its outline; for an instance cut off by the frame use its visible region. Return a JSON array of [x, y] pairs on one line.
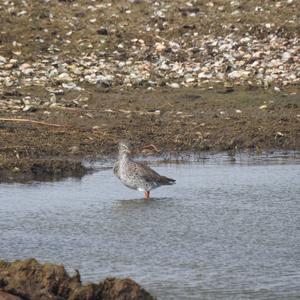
[[57, 170], [53, 141]]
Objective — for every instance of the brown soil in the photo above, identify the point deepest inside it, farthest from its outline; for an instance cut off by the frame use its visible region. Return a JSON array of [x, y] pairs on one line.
[[27, 24], [30, 280], [156, 122]]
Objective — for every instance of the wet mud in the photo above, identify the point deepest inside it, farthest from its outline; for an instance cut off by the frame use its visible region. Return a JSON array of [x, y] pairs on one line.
[[50, 144]]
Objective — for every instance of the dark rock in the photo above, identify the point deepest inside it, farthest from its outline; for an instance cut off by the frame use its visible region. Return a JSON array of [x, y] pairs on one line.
[[30, 280], [102, 31], [189, 26], [6, 296], [195, 50]]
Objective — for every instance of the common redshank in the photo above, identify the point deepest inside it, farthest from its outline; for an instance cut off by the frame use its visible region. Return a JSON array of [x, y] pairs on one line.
[[137, 175]]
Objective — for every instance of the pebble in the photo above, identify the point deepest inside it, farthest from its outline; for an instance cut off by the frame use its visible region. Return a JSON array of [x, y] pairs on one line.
[[2, 60], [277, 89], [29, 108], [74, 149], [278, 133], [286, 56], [174, 85], [264, 106], [64, 77], [160, 47], [71, 86], [102, 31]]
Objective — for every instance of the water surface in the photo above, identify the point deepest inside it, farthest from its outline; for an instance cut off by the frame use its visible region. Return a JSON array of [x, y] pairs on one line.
[[224, 231]]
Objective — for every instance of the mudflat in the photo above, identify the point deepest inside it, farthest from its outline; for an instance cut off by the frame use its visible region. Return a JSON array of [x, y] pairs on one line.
[[169, 76], [53, 141]]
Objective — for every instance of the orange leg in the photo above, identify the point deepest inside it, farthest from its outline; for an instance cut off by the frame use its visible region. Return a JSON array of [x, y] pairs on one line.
[[147, 195]]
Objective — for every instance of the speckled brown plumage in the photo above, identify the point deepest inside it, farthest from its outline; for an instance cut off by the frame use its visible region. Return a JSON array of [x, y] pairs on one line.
[[137, 175]]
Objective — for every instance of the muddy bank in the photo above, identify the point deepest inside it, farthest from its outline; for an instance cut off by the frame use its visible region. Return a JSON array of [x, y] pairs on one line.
[[30, 280], [41, 170], [52, 142], [164, 74]]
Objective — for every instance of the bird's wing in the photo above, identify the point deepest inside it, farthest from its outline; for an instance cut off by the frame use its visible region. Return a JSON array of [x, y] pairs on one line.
[[150, 175]]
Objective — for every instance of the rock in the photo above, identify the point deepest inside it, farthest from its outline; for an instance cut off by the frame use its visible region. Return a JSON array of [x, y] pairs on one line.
[[174, 46], [264, 106], [8, 82], [2, 60], [278, 133], [235, 3], [160, 47], [286, 56], [104, 81], [174, 85], [74, 149], [71, 86], [26, 69], [189, 80], [53, 73], [29, 108], [6, 296], [239, 74], [204, 75], [102, 31], [28, 279], [276, 89], [65, 77]]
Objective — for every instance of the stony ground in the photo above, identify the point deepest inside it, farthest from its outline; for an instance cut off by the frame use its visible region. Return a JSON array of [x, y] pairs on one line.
[[64, 43], [171, 76]]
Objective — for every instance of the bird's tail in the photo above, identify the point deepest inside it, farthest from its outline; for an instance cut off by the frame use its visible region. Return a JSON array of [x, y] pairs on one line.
[[168, 181]]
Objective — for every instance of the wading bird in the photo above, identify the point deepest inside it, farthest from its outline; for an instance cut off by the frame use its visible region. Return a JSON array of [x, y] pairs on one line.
[[136, 175]]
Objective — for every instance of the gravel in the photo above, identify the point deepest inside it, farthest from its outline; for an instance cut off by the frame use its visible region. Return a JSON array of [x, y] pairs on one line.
[[147, 44]]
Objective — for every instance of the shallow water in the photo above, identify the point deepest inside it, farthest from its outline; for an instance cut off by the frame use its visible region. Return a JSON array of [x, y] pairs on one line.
[[224, 231]]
